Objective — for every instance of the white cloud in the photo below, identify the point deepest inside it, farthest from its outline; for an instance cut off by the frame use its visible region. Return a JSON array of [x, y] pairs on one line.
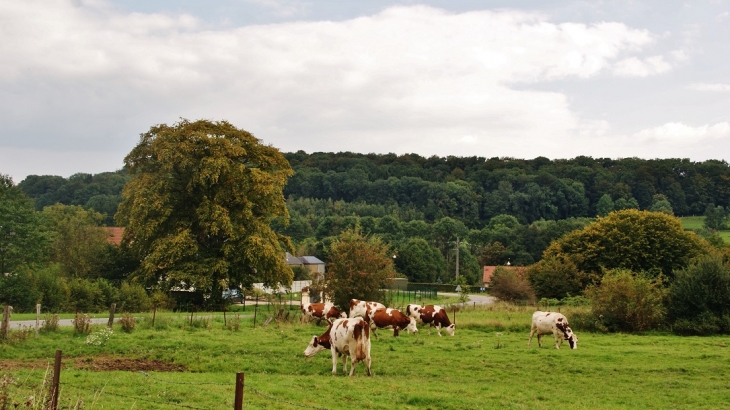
[[678, 133], [408, 79], [709, 87], [635, 67]]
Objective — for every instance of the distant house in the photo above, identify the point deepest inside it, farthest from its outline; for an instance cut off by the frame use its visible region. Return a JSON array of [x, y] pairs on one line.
[[489, 272], [311, 263], [115, 234]]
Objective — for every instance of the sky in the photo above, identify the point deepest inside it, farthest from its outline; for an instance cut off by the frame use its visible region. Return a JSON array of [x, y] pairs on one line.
[[80, 80]]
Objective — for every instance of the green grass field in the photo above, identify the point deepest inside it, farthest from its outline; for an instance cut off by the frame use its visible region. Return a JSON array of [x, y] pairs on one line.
[[486, 365], [697, 222]]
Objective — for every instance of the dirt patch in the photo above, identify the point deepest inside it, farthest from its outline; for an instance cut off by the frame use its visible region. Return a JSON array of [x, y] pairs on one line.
[[97, 364]]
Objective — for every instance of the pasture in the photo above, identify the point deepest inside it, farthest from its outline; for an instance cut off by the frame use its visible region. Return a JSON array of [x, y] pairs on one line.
[[486, 365]]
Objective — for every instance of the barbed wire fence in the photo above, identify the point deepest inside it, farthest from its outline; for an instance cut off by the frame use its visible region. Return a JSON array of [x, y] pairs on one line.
[[97, 392]]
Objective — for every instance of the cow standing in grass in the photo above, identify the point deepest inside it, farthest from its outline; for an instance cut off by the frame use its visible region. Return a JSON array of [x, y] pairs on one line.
[[344, 337], [432, 315], [320, 311], [359, 308], [544, 323], [390, 318]]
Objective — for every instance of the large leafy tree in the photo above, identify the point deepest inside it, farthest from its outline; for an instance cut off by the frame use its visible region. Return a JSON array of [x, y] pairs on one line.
[[640, 241], [199, 206], [359, 266], [80, 244], [419, 261], [23, 236]]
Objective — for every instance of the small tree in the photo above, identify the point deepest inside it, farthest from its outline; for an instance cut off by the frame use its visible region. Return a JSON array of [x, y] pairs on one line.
[[628, 301], [508, 286], [700, 298], [359, 266], [604, 205]]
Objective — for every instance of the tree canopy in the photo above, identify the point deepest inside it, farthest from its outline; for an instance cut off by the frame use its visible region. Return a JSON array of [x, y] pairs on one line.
[[640, 241], [359, 267], [198, 208]]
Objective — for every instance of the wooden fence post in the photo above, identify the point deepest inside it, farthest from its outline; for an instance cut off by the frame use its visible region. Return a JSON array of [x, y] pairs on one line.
[[56, 381], [37, 318], [238, 402], [255, 309], [5, 327], [191, 316], [112, 308], [154, 313]]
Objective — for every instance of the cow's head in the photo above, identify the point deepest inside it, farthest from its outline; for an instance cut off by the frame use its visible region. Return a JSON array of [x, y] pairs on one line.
[[450, 329], [572, 339], [314, 347], [412, 328]]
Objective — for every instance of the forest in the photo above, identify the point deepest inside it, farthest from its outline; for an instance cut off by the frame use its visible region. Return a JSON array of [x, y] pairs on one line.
[[501, 209]]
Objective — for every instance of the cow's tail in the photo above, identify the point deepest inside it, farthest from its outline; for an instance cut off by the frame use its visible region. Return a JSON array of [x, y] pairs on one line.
[[362, 331]]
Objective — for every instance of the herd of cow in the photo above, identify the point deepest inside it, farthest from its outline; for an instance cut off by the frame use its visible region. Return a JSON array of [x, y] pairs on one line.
[[351, 336]]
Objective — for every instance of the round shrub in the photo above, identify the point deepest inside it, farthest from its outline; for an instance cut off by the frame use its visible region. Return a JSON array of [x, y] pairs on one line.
[[627, 301], [508, 286], [699, 298]]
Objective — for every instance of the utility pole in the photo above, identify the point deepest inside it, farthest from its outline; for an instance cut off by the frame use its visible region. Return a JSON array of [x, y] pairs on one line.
[[457, 258]]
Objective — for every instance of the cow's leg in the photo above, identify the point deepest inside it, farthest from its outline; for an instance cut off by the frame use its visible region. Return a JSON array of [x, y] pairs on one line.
[[395, 331], [334, 360], [438, 330], [532, 332], [368, 361], [539, 340], [375, 333], [558, 340], [353, 362], [344, 364]]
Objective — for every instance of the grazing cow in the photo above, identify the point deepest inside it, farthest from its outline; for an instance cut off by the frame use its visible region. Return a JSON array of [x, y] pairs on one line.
[[434, 316], [344, 337], [359, 308], [544, 323], [390, 318], [320, 311]]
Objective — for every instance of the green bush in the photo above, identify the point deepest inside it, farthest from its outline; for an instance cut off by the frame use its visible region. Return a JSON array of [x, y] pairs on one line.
[[85, 296], [556, 278], [19, 291], [699, 298], [626, 301], [509, 287], [133, 298]]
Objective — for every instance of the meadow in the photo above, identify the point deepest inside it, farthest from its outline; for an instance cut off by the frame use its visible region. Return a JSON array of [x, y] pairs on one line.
[[698, 222], [176, 364]]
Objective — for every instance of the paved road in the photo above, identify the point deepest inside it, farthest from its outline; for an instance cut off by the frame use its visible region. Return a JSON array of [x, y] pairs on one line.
[[18, 324], [477, 298]]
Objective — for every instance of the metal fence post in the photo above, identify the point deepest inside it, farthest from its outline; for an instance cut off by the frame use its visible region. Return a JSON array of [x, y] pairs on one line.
[[238, 403], [56, 381]]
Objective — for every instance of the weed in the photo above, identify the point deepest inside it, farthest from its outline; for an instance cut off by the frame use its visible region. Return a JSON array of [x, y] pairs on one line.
[[128, 323], [234, 323], [50, 323], [82, 324], [499, 344]]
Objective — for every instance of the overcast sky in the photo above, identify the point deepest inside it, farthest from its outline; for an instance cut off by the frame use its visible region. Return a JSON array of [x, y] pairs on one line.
[[81, 79]]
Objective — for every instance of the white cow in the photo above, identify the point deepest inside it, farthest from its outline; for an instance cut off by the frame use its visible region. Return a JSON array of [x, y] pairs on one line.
[[544, 323], [359, 308], [344, 337]]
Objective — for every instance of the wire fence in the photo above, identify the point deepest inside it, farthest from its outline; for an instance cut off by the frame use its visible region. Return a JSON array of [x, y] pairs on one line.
[[98, 392]]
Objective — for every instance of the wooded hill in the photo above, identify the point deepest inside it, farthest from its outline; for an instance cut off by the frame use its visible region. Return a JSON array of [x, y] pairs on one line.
[[505, 208]]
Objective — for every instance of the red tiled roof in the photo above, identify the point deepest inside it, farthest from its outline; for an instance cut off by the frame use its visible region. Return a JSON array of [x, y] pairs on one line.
[[115, 234]]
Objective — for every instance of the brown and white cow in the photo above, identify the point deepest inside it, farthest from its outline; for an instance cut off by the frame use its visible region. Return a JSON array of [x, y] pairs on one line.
[[359, 308], [320, 311], [544, 323], [432, 315], [344, 337], [387, 318]]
